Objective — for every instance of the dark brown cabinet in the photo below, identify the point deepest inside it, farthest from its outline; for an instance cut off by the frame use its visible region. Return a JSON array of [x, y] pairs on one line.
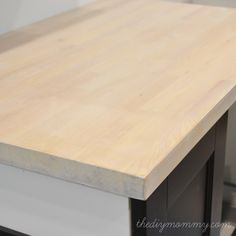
[[189, 201]]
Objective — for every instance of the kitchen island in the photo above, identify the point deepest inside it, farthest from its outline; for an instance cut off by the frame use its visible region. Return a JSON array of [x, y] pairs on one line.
[[115, 114]]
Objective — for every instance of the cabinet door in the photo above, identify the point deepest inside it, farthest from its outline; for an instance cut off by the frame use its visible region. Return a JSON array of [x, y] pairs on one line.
[[188, 210]]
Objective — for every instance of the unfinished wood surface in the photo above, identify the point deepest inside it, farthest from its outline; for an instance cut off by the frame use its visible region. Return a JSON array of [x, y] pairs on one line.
[[115, 94]]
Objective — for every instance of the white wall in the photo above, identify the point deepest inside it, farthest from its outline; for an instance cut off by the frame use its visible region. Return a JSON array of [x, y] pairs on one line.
[[17, 13], [39, 205]]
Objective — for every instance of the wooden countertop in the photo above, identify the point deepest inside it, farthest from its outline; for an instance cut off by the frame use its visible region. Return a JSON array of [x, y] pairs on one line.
[[115, 94]]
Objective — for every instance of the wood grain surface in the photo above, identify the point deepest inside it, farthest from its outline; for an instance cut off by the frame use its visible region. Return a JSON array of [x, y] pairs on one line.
[[115, 94]]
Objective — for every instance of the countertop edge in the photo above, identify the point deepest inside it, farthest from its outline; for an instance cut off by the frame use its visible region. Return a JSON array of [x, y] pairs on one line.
[[72, 171]]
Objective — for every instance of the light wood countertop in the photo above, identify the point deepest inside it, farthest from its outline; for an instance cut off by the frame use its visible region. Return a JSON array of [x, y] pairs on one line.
[[115, 94]]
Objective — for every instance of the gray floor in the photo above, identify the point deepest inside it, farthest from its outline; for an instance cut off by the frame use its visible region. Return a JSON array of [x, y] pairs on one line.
[[229, 216], [229, 231]]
